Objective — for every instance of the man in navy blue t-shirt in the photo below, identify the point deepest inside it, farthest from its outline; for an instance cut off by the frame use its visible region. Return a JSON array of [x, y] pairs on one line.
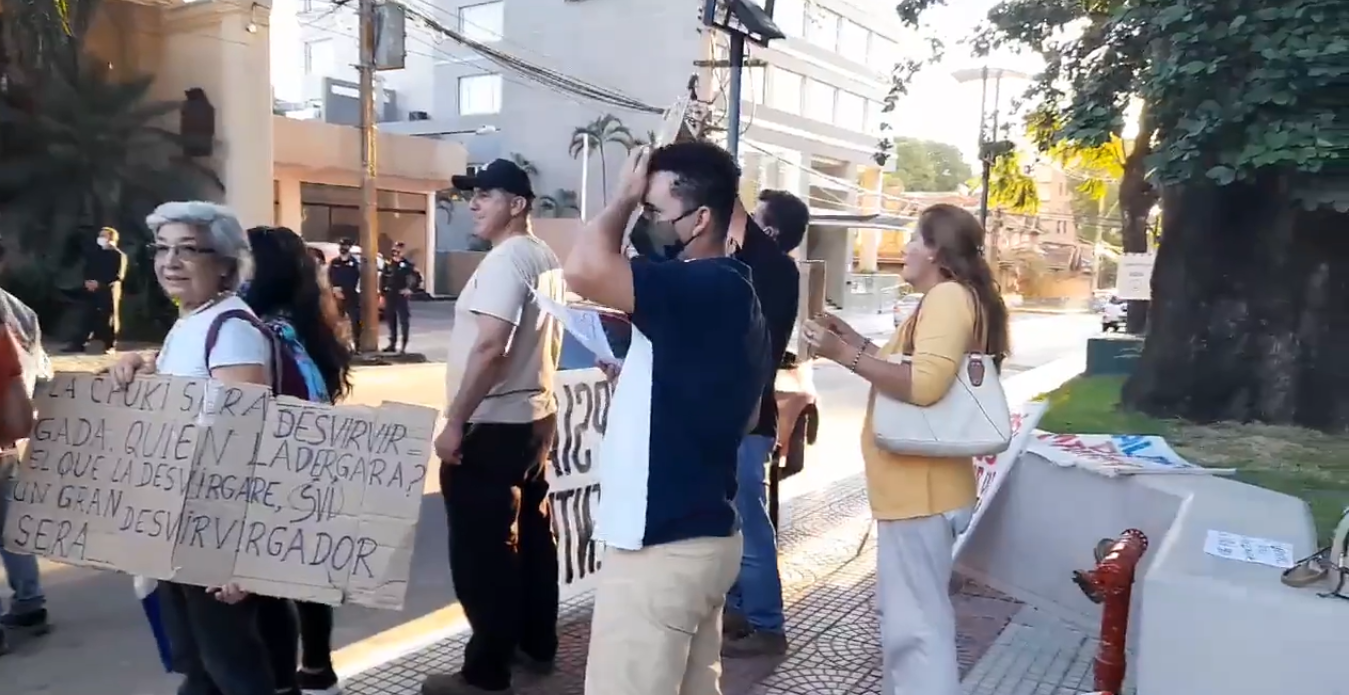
[[688, 393]]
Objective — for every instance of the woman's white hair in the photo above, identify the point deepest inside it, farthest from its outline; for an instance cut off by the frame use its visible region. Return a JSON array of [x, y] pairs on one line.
[[220, 226]]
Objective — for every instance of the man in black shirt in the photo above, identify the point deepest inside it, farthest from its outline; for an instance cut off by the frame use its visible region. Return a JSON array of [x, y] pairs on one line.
[[398, 279], [754, 626], [344, 275], [104, 266], [784, 217]]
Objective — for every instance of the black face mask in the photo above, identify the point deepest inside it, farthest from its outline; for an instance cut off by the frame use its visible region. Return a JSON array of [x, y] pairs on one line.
[[657, 240]]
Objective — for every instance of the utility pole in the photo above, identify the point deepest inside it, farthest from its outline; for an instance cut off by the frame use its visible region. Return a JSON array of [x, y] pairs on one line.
[[741, 20], [368, 340], [733, 100], [985, 158]]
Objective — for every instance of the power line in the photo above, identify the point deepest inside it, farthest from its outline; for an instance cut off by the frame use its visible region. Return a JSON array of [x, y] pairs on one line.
[[546, 76], [554, 80]]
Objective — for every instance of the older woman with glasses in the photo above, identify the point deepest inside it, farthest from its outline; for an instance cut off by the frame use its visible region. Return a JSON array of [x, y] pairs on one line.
[[202, 257]]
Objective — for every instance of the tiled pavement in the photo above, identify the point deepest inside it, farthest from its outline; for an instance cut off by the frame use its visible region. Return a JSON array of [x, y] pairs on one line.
[[1036, 655], [829, 575]]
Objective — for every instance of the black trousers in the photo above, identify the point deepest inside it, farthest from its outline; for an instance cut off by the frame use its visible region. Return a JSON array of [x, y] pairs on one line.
[[350, 305], [396, 314], [218, 647], [281, 621], [98, 318], [503, 556]]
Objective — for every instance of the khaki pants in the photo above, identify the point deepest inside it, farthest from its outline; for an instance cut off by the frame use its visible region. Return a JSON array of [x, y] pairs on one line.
[[657, 624]]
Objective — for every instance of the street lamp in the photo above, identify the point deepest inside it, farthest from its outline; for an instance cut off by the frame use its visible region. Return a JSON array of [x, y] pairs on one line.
[[986, 135]]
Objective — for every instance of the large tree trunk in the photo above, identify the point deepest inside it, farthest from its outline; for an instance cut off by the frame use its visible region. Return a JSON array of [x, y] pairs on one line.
[[1136, 198], [1250, 310]]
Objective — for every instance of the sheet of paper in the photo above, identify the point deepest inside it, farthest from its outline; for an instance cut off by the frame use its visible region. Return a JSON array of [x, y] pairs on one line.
[[1259, 551], [583, 324]]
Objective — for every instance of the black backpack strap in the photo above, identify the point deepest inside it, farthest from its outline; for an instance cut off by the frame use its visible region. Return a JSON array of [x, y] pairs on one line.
[[213, 335]]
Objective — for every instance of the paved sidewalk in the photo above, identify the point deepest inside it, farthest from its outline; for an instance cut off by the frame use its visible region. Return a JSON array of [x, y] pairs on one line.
[[829, 576]]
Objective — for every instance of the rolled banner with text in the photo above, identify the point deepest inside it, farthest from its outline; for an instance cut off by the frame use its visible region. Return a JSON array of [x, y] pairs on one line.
[[573, 481], [990, 472]]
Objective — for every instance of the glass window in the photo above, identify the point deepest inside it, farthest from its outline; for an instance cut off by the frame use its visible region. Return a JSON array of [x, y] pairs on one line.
[[822, 29], [850, 112], [479, 94], [318, 57], [790, 16], [852, 41], [820, 101], [784, 90], [882, 53], [485, 22]]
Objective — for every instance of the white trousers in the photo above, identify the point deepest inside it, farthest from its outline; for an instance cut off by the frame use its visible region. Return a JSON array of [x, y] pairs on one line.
[[918, 623]]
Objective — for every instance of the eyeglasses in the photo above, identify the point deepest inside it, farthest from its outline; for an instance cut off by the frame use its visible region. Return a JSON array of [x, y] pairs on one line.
[[187, 252]]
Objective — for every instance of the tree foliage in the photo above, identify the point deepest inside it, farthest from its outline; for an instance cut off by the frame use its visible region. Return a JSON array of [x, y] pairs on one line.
[[560, 203], [604, 130], [88, 151], [926, 165], [1010, 187]]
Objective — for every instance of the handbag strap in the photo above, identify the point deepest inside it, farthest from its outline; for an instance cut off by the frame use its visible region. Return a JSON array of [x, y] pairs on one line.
[[979, 339]]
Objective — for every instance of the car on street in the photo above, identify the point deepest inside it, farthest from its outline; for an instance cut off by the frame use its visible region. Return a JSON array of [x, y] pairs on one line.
[[1114, 315], [905, 307]]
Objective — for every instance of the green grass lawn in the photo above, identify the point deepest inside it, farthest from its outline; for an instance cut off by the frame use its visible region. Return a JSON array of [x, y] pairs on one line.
[[1309, 464]]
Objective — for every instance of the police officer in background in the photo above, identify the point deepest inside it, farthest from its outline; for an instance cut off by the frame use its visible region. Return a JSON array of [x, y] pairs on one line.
[[398, 279], [344, 275]]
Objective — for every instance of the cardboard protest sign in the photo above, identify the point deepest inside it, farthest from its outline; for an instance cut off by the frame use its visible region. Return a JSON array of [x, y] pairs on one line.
[[204, 483], [990, 472], [574, 492]]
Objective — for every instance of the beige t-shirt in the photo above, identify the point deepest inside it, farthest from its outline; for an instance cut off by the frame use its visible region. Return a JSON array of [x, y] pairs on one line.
[[500, 287]]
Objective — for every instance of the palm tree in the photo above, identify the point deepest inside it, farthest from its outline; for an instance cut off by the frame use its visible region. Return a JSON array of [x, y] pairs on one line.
[[92, 152], [82, 150], [649, 140], [525, 164], [562, 203], [605, 130]]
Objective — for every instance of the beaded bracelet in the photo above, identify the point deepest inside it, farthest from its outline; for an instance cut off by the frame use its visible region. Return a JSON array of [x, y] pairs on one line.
[[856, 358]]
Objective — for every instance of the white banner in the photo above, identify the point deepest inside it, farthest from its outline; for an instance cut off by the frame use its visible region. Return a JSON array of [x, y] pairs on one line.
[[991, 471], [1117, 454], [574, 486], [1135, 276]]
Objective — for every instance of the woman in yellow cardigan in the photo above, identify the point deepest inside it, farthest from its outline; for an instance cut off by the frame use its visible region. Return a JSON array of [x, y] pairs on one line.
[[922, 503]]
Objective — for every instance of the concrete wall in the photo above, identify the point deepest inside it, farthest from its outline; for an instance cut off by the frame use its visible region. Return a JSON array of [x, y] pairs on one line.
[[1198, 623]]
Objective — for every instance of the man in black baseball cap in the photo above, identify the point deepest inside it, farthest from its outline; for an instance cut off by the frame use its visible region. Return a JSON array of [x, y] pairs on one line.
[[500, 421], [502, 175]]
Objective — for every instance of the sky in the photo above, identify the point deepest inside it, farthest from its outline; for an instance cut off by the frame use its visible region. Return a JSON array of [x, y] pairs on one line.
[[942, 109]]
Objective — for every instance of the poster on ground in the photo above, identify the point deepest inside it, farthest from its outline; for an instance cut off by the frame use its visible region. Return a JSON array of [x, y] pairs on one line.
[[583, 397], [1114, 455], [204, 483], [991, 472]]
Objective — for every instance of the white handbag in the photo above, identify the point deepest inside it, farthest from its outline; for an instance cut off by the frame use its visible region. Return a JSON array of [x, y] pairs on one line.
[[972, 419]]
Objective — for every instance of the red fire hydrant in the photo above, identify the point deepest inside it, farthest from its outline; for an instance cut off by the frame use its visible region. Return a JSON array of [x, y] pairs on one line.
[[1111, 584]]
